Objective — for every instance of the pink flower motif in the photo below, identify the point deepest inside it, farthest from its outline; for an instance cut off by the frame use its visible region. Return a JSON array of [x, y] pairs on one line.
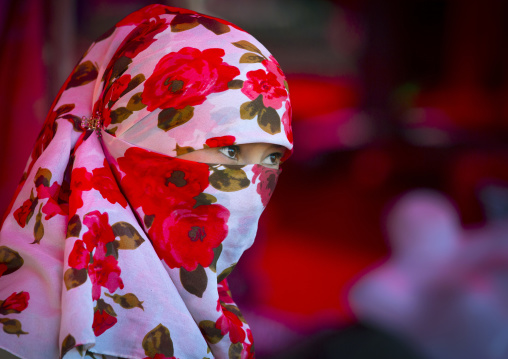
[[267, 181], [267, 85], [104, 272], [99, 230], [15, 303], [79, 256]]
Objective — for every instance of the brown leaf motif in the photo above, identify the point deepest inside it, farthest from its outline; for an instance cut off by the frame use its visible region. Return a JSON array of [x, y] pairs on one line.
[[170, 118], [42, 177], [136, 80], [120, 114], [135, 103], [194, 282], [10, 260], [235, 351], [68, 343], [204, 199], [184, 22], [158, 341], [12, 326], [235, 84], [75, 277], [246, 45], [225, 273], [73, 227], [250, 58], [229, 179], [216, 254], [83, 74], [39, 227], [127, 301], [210, 332], [129, 236]]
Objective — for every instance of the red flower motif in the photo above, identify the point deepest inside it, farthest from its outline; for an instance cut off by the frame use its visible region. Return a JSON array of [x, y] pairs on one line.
[[102, 321], [80, 181], [155, 182], [224, 293], [99, 230], [286, 122], [27, 209], [104, 182], [186, 236], [266, 84], [229, 322], [141, 37], [267, 181], [57, 203], [79, 256], [248, 348], [220, 141], [104, 272], [186, 78], [15, 303], [112, 95]]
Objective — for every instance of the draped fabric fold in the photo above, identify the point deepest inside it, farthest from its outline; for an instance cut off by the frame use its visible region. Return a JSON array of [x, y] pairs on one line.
[[112, 245]]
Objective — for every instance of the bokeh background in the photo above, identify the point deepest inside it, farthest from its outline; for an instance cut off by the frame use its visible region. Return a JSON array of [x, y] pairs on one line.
[[388, 96]]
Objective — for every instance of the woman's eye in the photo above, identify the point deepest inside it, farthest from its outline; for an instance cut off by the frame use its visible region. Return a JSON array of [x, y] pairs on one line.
[[230, 151], [273, 159]]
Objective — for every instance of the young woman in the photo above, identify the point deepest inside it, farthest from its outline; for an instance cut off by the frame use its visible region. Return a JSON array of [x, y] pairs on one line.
[[143, 190]]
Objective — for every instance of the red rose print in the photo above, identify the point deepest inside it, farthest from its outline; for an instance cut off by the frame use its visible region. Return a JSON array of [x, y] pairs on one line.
[[99, 230], [186, 236], [15, 303], [273, 67], [267, 181], [267, 85], [80, 181], [286, 122], [220, 141], [155, 182], [79, 256], [141, 37], [102, 321], [58, 200], [224, 292], [104, 272], [112, 95], [186, 78], [248, 349], [228, 322], [104, 182], [26, 210]]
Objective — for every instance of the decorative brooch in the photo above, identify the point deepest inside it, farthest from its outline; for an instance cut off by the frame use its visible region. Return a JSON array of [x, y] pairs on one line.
[[93, 123]]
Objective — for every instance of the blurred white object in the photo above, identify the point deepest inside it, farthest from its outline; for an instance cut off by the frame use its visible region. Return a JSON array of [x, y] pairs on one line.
[[444, 289]]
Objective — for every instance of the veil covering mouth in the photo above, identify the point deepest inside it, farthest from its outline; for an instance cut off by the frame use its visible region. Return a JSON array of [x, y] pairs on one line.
[[112, 245]]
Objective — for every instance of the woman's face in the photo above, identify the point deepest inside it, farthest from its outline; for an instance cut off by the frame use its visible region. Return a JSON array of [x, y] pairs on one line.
[[265, 154]]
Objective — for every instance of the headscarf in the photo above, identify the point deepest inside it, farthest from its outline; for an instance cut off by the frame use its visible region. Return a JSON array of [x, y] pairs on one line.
[[114, 246]]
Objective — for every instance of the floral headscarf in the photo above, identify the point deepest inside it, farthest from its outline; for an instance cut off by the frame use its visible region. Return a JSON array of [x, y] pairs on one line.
[[112, 245]]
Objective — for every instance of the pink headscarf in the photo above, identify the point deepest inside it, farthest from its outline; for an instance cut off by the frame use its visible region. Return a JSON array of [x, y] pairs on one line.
[[114, 246]]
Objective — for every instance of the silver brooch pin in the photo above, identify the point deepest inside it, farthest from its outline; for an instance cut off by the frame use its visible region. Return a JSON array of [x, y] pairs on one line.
[[93, 123]]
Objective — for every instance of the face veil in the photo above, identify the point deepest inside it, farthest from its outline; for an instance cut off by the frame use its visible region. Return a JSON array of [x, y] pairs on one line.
[[112, 245]]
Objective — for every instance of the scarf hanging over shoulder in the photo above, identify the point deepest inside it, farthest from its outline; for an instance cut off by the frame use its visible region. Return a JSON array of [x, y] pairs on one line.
[[114, 246]]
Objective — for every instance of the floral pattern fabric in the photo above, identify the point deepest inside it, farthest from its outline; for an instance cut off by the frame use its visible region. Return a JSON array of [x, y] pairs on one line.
[[113, 246]]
